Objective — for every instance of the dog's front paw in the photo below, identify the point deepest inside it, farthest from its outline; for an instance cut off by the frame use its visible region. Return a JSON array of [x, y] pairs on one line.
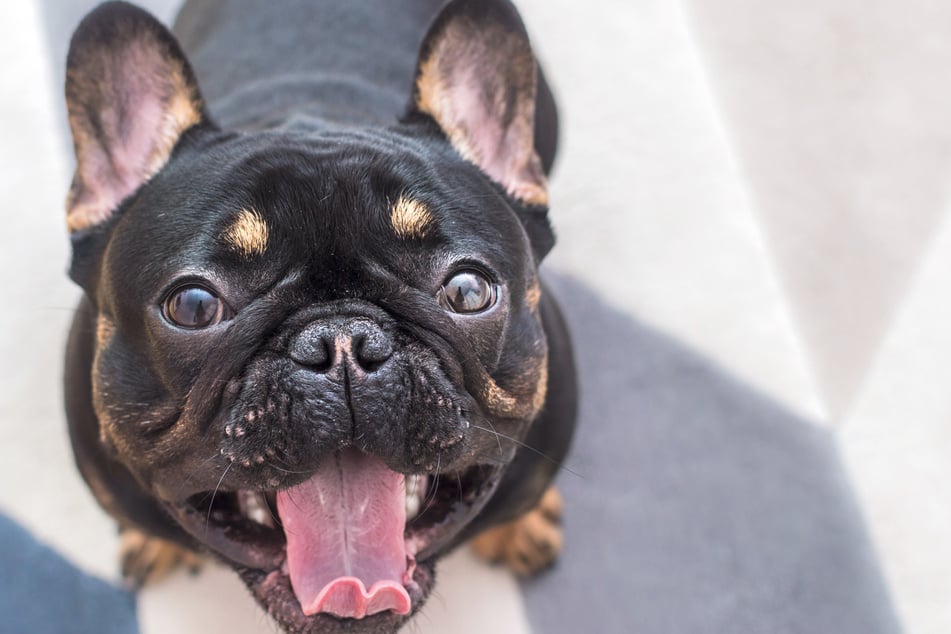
[[145, 559], [528, 544]]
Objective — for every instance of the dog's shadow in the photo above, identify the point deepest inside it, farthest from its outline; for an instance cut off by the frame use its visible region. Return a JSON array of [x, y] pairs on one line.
[[695, 504]]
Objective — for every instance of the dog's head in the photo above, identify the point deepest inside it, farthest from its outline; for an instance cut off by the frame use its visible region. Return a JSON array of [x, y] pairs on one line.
[[308, 344]]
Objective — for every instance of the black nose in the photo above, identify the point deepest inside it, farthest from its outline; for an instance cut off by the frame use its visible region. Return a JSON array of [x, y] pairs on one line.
[[328, 343]]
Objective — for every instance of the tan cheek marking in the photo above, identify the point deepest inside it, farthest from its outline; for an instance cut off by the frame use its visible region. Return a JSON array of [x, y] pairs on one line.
[[105, 329], [499, 401], [533, 296], [524, 400], [541, 388], [410, 218], [248, 235]]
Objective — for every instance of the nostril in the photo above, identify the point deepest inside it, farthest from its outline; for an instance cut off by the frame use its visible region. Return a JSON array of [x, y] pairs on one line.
[[314, 352], [371, 349]]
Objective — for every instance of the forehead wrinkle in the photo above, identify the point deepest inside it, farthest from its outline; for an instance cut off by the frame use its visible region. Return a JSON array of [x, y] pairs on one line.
[[248, 234]]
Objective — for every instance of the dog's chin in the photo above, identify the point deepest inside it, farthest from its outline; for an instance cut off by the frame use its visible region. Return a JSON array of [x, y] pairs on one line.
[[245, 529]]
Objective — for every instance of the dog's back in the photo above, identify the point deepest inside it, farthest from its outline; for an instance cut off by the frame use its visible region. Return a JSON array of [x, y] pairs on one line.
[[347, 62]]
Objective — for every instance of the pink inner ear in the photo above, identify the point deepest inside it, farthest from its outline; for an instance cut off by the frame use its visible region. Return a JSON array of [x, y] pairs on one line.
[[477, 80], [142, 103], [112, 174], [506, 155], [483, 133]]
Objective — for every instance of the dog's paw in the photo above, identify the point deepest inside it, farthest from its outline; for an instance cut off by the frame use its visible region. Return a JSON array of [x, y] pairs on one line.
[[145, 559], [528, 544]]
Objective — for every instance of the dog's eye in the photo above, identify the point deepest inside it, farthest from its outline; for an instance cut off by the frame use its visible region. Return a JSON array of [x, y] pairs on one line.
[[195, 307], [467, 292]]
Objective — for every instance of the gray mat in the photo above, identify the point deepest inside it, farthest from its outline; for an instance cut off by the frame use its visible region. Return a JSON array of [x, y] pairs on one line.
[[699, 506]]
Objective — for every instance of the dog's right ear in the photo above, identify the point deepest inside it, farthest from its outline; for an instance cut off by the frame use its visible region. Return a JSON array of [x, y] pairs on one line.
[[130, 94]]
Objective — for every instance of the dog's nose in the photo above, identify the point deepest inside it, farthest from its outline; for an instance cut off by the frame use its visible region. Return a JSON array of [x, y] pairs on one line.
[[325, 344]]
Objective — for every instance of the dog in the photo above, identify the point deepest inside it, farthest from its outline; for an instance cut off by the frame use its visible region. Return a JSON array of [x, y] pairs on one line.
[[313, 340]]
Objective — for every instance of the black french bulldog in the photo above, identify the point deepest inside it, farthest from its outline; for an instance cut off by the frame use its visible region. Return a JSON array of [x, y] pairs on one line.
[[313, 340]]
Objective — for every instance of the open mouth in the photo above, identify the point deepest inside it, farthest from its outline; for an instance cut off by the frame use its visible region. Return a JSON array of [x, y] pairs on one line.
[[354, 541]]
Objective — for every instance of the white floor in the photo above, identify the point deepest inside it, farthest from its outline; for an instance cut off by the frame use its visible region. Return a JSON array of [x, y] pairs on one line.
[[766, 181]]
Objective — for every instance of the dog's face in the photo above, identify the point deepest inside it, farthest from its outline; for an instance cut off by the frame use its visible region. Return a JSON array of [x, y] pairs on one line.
[[307, 341]]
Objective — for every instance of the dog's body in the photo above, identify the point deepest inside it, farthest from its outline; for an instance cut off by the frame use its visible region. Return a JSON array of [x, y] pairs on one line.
[[315, 273]]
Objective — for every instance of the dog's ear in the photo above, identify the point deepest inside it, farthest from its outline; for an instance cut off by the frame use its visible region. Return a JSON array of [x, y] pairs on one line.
[[130, 94], [477, 78]]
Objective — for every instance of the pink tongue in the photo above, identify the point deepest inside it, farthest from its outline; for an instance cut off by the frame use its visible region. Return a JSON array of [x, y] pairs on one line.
[[346, 554]]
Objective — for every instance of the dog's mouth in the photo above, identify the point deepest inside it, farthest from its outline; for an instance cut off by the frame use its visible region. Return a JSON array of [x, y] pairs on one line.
[[354, 541]]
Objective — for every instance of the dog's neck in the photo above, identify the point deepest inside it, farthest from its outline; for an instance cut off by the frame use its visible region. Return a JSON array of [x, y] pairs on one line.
[[293, 63]]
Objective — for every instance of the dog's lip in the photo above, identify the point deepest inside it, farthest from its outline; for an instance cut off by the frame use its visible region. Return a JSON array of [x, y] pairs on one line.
[[258, 551], [472, 491], [254, 546]]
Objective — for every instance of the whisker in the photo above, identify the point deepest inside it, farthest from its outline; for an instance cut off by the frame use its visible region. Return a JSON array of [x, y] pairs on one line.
[[214, 493], [203, 463], [499, 435], [432, 491], [274, 466], [275, 517], [492, 460]]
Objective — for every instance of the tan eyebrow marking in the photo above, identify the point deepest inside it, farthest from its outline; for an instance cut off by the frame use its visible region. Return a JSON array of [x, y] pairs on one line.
[[410, 218], [248, 235]]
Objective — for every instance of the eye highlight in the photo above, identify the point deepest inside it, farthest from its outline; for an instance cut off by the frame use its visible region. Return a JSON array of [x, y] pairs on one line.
[[466, 292], [194, 307]]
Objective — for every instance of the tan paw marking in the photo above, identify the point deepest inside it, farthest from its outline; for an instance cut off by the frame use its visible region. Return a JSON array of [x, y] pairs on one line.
[[528, 544], [145, 559]]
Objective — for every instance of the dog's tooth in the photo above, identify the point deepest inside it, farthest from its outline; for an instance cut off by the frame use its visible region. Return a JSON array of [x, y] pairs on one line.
[[415, 487], [254, 507], [409, 490], [412, 507]]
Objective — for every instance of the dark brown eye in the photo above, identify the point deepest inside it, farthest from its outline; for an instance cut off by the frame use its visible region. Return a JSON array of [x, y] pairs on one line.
[[467, 292], [194, 307]]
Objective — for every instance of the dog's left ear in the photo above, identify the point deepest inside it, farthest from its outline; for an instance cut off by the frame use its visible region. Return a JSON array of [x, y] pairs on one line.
[[131, 94], [477, 78]]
